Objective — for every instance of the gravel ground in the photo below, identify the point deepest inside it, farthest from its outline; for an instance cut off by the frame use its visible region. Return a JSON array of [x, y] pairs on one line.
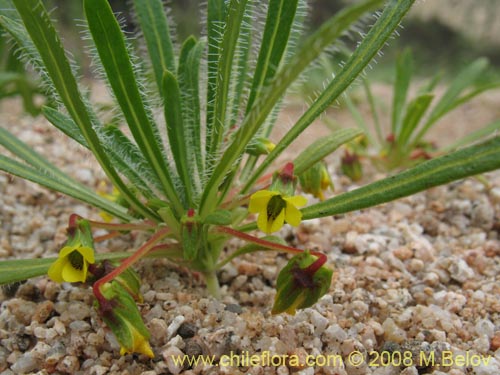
[[417, 278]]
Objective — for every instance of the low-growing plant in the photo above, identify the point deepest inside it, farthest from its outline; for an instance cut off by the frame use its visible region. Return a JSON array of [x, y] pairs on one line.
[[201, 183], [404, 142]]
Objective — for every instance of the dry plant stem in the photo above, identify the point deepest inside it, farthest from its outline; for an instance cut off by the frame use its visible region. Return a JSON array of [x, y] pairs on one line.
[[128, 262]]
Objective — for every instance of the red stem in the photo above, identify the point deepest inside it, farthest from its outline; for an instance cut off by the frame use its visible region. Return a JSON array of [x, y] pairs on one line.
[[126, 263], [106, 236], [275, 246]]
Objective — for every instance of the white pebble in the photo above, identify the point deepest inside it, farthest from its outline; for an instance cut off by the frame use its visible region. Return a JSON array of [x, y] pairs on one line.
[[25, 364], [334, 333], [174, 326], [169, 355], [459, 270], [485, 327]]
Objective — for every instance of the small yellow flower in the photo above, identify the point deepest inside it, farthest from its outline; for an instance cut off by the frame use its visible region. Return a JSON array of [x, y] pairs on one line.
[[72, 264], [274, 209]]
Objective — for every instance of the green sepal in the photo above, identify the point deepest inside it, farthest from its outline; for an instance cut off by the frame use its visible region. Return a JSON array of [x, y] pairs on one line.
[[299, 285], [130, 281], [284, 181], [79, 233], [120, 313]]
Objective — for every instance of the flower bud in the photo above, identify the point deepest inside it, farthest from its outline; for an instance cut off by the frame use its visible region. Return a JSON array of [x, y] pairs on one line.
[[315, 180], [351, 166], [120, 313], [260, 146], [301, 283]]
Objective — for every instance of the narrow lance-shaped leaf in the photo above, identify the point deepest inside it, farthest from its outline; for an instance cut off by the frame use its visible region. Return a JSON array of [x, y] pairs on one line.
[[241, 64], [121, 151], [177, 133], [216, 15], [279, 21], [315, 45], [216, 130], [474, 136], [465, 78], [110, 44], [15, 270], [322, 148], [415, 111], [404, 71], [189, 65], [49, 46], [30, 156], [469, 161], [154, 26], [44, 178], [371, 44]]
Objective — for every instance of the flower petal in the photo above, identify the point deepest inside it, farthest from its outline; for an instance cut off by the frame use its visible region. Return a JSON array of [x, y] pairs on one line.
[[276, 224], [293, 216], [297, 200], [87, 253], [71, 274], [55, 270], [259, 200], [65, 251]]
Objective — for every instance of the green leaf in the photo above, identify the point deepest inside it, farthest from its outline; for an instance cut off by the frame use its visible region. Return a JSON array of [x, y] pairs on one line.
[[464, 79], [474, 136], [467, 162], [322, 148], [374, 113], [216, 16], [280, 16], [219, 217], [330, 31], [374, 40], [75, 190], [154, 26], [414, 113], [189, 65], [13, 270], [51, 51], [115, 59], [177, 133], [359, 119], [216, 130], [30, 156], [404, 71], [122, 153]]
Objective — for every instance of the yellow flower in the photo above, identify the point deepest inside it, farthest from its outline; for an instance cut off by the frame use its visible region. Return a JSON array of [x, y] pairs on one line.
[[274, 209], [72, 264]]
